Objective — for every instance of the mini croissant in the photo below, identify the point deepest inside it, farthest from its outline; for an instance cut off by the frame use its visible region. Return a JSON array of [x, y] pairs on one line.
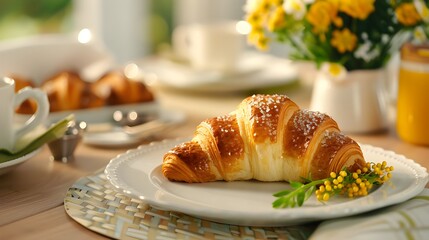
[[267, 138]]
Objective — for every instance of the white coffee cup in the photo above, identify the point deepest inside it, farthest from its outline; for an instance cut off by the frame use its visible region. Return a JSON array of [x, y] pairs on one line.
[[9, 101], [216, 46]]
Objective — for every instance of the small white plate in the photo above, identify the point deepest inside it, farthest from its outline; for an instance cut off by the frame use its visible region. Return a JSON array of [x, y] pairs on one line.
[[96, 115], [138, 173], [11, 164], [38, 58], [114, 138], [104, 114], [255, 71], [118, 138]]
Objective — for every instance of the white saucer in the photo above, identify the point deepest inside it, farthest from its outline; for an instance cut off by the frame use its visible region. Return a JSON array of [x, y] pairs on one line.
[[119, 138], [115, 138], [255, 70], [12, 164]]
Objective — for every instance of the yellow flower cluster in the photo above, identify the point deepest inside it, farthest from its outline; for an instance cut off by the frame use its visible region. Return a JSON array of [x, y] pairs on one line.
[[354, 184], [325, 30], [321, 15], [264, 13], [346, 183]]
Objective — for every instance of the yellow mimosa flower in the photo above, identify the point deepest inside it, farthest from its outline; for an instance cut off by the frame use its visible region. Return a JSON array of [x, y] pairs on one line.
[[254, 19], [254, 34], [407, 14], [257, 38], [263, 6], [257, 11], [344, 40], [277, 19], [357, 8], [262, 43]]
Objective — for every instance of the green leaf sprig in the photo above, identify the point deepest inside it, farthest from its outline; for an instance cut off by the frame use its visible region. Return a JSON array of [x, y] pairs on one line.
[[296, 196], [347, 183]]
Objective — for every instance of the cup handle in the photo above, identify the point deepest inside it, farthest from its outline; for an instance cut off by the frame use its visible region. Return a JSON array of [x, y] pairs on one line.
[[41, 113]]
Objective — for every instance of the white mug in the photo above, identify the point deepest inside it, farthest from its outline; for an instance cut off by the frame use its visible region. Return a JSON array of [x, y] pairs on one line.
[[9, 101], [216, 46]]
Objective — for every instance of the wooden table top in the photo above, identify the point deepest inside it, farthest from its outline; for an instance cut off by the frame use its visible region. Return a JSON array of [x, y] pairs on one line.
[[31, 196]]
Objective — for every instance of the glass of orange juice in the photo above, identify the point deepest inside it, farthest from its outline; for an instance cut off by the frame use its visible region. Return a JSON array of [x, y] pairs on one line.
[[412, 119]]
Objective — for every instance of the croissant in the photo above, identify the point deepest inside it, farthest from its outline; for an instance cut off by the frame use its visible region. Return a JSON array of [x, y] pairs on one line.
[[121, 89], [267, 138], [64, 91], [67, 91]]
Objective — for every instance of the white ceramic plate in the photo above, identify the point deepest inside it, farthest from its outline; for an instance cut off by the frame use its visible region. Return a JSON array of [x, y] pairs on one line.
[[104, 114], [254, 71], [10, 165], [138, 173], [40, 57], [118, 138], [96, 115]]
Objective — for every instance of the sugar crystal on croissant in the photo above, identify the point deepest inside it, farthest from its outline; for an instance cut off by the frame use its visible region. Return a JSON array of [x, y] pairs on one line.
[[267, 138]]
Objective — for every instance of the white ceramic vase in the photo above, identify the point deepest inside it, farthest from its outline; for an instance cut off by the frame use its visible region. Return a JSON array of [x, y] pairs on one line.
[[358, 103]]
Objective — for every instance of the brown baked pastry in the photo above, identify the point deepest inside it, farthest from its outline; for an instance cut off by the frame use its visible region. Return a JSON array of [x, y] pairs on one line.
[[268, 138], [67, 91], [121, 90], [91, 99], [28, 106]]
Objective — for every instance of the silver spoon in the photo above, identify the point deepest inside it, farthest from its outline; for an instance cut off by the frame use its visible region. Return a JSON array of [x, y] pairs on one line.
[[132, 118], [121, 120]]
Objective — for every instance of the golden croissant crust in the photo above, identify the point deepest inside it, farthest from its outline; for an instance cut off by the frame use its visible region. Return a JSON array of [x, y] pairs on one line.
[[267, 138]]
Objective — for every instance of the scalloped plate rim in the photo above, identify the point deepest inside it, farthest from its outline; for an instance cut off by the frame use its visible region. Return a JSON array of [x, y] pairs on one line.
[[161, 198]]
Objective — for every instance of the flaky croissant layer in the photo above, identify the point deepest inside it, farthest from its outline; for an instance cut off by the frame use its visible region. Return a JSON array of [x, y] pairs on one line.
[[267, 138]]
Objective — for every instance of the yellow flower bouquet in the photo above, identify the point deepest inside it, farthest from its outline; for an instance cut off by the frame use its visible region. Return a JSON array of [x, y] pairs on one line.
[[350, 34]]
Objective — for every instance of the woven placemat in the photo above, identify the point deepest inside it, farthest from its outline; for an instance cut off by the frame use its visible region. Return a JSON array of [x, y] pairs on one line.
[[94, 203]]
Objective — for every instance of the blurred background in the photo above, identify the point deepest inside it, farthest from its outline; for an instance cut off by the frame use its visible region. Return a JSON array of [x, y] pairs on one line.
[[130, 29]]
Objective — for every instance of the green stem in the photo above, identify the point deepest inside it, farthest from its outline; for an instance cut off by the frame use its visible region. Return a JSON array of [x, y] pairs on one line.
[[297, 46], [290, 198]]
